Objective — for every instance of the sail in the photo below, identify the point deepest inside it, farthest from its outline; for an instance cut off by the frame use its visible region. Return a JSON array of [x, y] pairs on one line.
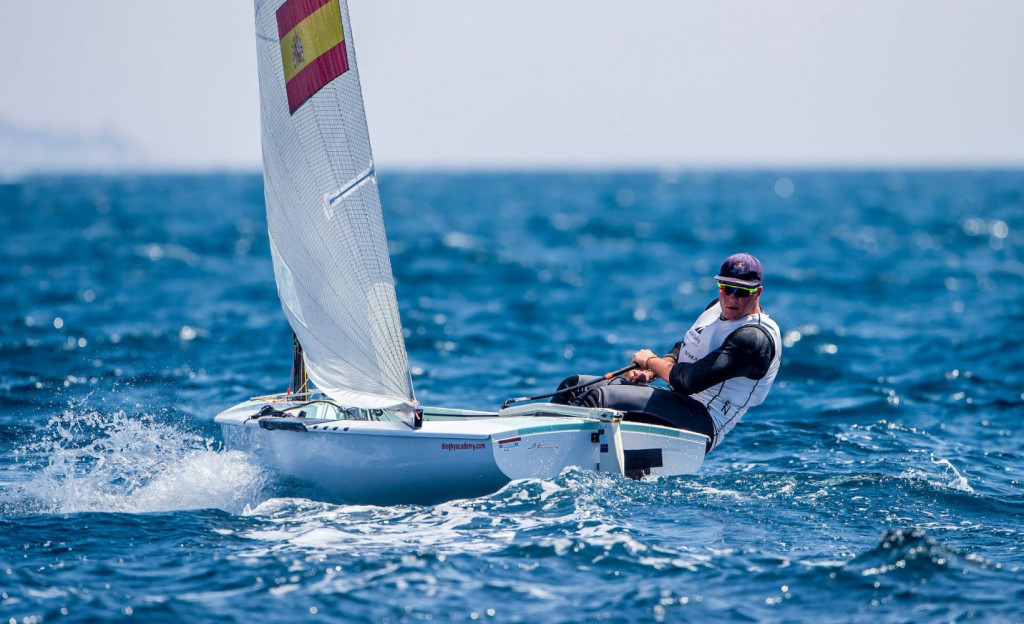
[[327, 235]]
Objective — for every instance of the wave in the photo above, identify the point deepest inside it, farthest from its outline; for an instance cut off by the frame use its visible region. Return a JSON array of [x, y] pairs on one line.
[[912, 551]]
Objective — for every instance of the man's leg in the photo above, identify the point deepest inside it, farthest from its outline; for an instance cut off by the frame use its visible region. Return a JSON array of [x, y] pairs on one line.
[[656, 406]]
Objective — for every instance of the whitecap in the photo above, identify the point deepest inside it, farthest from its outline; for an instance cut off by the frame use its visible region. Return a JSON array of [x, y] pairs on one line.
[[91, 461], [950, 479]]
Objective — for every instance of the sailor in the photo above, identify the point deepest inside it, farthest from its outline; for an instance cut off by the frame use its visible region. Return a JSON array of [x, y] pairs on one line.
[[724, 365]]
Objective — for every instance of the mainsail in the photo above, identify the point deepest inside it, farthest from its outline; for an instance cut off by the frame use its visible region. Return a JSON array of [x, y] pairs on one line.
[[327, 235]]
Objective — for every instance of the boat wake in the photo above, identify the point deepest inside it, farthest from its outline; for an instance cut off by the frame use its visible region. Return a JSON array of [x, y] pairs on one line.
[[567, 518], [88, 460], [476, 525]]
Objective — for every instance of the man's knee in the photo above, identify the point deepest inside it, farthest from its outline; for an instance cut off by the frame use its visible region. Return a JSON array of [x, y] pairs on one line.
[[569, 382], [563, 398], [572, 397], [593, 397]]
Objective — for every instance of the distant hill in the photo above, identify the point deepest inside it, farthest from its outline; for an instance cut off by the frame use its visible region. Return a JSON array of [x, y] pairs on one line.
[[27, 150]]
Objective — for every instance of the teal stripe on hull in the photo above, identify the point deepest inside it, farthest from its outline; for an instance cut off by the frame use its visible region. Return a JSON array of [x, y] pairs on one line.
[[583, 425]]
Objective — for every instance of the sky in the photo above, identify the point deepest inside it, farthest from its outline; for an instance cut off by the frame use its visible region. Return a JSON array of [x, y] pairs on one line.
[[455, 84]]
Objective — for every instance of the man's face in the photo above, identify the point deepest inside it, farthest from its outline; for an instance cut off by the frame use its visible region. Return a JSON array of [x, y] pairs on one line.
[[735, 306]]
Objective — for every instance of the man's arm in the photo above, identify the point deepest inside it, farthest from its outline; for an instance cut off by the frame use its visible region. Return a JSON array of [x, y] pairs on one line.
[[747, 352]]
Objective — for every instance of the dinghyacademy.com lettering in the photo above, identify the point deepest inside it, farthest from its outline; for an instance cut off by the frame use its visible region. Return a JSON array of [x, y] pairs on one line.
[[463, 446]]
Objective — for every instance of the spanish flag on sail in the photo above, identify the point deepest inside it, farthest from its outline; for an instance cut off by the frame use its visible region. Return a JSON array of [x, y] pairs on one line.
[[312, 47]]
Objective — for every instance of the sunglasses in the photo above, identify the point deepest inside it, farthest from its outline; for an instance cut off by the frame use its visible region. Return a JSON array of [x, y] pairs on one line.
[[740, 291]]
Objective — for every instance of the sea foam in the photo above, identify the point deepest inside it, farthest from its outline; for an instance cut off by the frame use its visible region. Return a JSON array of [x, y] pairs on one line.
[[87, 460]]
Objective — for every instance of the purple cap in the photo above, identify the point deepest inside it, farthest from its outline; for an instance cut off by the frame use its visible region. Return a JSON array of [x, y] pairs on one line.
[[741, 269]]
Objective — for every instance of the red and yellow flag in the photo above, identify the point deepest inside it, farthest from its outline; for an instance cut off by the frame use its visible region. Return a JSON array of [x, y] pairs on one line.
[[312, 47]]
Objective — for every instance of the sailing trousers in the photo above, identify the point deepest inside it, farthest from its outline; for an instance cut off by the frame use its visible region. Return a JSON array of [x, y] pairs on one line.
[[647, 404]]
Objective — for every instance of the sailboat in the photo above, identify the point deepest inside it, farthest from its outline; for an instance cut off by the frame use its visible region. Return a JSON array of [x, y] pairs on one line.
[[349, 427]]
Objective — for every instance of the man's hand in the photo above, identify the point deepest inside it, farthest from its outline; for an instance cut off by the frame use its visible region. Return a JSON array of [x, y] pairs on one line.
[[639, 376], [641, 357]]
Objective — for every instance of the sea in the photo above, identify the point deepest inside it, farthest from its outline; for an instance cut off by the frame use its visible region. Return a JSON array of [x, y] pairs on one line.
[[879, 482]]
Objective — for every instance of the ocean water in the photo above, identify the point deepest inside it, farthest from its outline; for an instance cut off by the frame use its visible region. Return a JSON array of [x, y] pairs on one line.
[[880, 482]]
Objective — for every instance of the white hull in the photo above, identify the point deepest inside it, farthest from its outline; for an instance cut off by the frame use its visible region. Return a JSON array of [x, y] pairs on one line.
[[455, 454]]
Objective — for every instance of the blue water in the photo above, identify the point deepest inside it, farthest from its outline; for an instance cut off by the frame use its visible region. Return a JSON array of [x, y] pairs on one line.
[[880, 481]]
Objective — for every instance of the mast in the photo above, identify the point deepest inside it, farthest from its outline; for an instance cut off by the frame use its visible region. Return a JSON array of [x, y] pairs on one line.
[[299, 385]]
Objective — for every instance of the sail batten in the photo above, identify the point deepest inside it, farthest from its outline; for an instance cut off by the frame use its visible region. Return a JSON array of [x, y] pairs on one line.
[[342, 193], [328, 242]]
